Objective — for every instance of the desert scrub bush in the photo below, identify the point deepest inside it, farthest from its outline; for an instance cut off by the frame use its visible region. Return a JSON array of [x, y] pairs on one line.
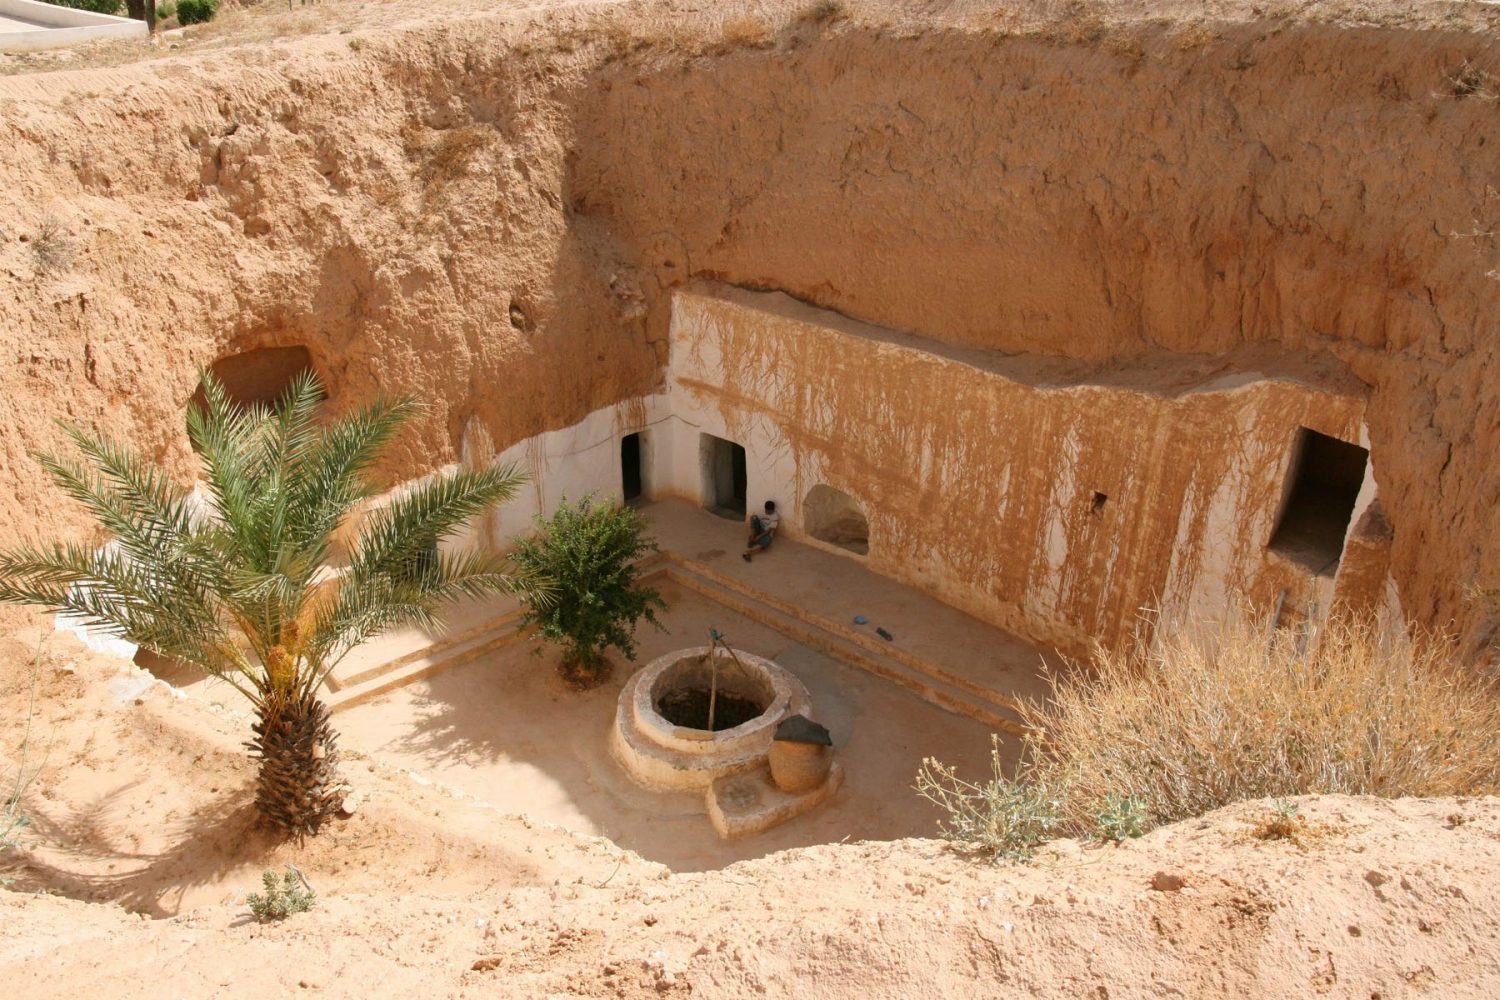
[[281, 897], [746, 32], [196, 11], [1204, 718], [583, 562], [1120, 817], [53, 247], [998, 817], [825, 10], [1201, 719]]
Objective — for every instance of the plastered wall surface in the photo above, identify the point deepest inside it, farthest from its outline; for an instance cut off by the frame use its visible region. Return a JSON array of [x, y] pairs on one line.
[[980, 474]]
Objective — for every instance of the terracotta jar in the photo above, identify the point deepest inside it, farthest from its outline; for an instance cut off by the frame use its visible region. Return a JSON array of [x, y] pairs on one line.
[[800, 756]]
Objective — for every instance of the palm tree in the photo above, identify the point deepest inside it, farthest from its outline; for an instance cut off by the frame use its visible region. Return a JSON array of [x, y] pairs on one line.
[[242, 586]]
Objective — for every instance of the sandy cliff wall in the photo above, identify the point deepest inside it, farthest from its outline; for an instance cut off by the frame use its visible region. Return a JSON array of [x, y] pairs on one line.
[[498, 227], [1314, 188], [398, 214]]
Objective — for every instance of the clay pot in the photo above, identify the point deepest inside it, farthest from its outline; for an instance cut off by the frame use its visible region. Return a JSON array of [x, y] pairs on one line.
[[799, 767]]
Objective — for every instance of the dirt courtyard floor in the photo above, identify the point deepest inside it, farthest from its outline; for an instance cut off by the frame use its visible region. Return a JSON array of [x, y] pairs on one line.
[[505, 729]]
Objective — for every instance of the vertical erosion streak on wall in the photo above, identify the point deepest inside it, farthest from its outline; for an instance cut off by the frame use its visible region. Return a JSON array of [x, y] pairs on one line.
[[980, 482]]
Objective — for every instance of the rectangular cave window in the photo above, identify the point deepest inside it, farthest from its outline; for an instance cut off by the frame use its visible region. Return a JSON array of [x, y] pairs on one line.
[[724, 476], [630, 467], [1325, 478]]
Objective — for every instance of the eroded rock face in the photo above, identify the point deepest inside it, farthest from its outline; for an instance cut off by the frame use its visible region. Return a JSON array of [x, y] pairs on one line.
[[498, 231]]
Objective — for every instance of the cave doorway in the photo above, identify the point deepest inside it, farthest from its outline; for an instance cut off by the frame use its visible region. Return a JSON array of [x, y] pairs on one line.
[[257, 378], [631, 478], [725, 479], [1322, 487], [835, 517]]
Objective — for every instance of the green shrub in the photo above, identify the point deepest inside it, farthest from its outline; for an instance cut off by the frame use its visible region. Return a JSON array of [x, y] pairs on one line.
[[196, 11], [97, 6], [165, 10], [587, 598], [1120, 817], [998, 817], [281, 899]]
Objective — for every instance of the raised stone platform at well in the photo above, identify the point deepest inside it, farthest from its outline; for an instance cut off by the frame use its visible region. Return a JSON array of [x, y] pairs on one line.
[[749, 802]]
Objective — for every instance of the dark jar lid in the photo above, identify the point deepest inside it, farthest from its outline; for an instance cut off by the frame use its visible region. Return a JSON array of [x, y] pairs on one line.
[[800, 729]]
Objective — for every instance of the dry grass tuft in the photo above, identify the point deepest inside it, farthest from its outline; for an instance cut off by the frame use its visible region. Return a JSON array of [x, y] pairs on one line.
[[53, 248], [1202, 720], [457, 148], [1469, 80], [748, 32], [1208, 717], [449, 155], [1083, 23], [825, 10], [1283, 821]]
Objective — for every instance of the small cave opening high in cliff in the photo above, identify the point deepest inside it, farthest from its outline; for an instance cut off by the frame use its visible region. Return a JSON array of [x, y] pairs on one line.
[[1324, 483], [258, 377]]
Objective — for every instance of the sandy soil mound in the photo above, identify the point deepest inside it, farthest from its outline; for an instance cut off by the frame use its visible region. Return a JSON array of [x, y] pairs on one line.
[[144, 798], [143, 803]]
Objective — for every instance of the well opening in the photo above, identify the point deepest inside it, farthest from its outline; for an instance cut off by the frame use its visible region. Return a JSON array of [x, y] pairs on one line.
[[660, 734], [681, 694]]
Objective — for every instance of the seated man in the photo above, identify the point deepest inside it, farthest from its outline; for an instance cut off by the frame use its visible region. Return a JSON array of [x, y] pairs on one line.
[[762, 530]]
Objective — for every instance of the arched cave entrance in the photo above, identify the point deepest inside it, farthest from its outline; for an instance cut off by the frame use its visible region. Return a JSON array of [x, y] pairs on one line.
[[835, 517], [258, 377]]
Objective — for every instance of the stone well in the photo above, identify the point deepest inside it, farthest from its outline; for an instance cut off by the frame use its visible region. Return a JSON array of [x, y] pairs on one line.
[[661, 754]]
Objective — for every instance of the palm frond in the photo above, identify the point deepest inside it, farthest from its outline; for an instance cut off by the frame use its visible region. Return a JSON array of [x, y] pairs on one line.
[[394, 538], [288, 434], [331, 476], [167, 613], [223, 590], [362, 610], [226, 436]]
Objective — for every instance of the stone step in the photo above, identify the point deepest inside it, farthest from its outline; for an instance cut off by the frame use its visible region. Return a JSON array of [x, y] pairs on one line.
[[929, 682], [875, 646], [443, 655], [428, 650]]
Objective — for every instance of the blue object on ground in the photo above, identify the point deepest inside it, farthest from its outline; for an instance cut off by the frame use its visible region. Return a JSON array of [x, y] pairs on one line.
[[861, 620]]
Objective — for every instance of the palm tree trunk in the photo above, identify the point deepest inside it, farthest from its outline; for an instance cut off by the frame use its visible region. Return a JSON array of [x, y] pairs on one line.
[[299, 787]]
